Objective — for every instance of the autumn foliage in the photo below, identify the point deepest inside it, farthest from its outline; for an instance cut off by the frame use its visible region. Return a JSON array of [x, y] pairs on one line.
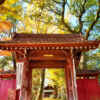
[[5, 53], [5, 26]]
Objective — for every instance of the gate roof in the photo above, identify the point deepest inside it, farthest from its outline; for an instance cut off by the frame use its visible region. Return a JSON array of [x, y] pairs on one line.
[[48, 42]]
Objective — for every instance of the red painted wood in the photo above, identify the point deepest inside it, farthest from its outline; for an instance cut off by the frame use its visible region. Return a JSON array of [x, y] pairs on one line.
[[7, 76], [17, 94], [7, 88], [26, 93], [12, 94], [79, 45], [70, 78], [88, 89]]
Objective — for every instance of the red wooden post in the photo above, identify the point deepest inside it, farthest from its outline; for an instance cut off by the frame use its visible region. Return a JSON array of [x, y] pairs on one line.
[[70, 76], [26, 85]]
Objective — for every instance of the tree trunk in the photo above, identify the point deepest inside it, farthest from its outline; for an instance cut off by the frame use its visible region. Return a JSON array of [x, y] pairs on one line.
[[83, 61], [14, 61], [40, 97]]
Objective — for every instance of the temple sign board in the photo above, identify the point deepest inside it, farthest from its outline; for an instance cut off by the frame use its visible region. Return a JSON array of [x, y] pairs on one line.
[[48, 51]]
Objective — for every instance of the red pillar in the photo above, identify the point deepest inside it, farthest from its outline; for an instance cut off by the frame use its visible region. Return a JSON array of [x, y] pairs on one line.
[[70, 74], [26, 84]]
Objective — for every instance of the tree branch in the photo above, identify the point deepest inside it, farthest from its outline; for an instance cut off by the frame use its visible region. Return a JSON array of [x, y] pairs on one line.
[[93, 23], [80, 16], [55, 11], [14, 61], [57, 2], [63, 19]]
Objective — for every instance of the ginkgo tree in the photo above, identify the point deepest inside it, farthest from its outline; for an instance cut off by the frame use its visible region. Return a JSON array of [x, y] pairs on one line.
[[56, 78], [10, 8], [9, 14], [37, 19]]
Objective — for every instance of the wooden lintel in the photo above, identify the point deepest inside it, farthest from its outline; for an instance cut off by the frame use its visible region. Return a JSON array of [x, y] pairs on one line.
[[47, 64], [43, 52], [43, 58]]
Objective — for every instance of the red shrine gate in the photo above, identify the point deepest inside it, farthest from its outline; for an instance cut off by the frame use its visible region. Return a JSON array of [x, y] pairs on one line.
[[88, 86], [48, 51]]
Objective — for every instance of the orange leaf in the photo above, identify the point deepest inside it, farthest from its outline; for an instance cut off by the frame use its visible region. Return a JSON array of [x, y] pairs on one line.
[[5, 53], [6, 38], [5, 26]]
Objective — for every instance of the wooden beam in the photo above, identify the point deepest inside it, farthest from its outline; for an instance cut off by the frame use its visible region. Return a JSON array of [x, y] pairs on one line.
[[26, 85], [82, 45], [8, 75], [37, 53], [44, 58], [70, 76], [47, 64], [41, 55]]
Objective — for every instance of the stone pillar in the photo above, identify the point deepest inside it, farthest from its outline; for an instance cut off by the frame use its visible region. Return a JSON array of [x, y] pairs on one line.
[[70, 74]]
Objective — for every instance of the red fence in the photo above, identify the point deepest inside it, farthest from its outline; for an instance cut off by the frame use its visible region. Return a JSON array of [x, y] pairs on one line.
[[5, 85], [88, 89]]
